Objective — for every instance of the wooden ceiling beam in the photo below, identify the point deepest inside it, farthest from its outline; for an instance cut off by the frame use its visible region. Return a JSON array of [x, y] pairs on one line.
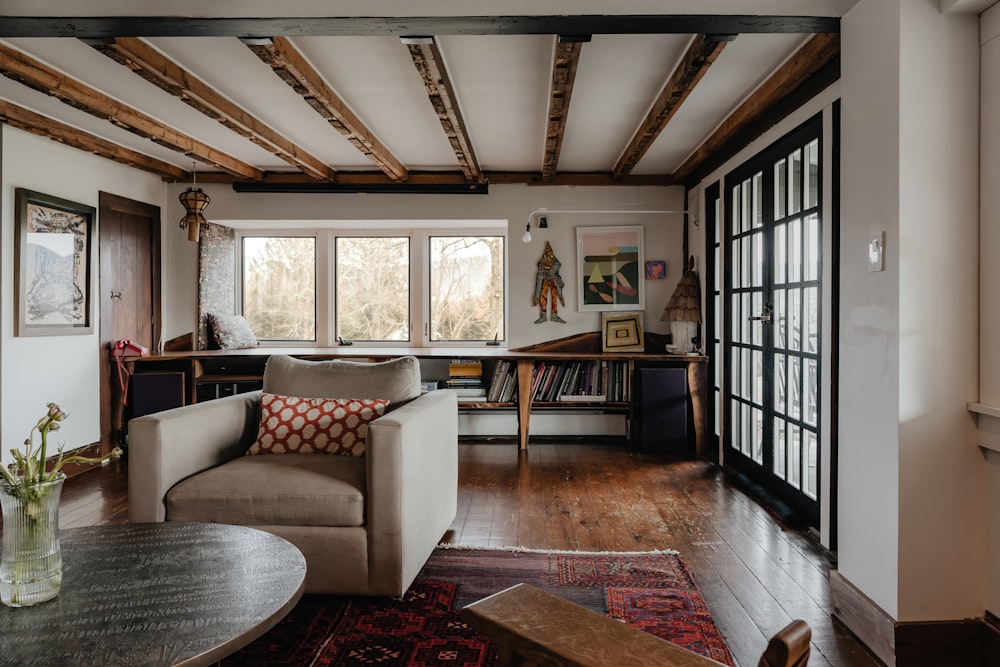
[[692, 67], [35, 123], [155, 67], [820, 55], [566, 60], [34, 74], [291, 66], [441, 92], [96, 27]]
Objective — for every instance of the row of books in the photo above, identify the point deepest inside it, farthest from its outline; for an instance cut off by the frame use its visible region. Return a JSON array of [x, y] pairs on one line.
[[580, 381], [503, 382], [551, 381]]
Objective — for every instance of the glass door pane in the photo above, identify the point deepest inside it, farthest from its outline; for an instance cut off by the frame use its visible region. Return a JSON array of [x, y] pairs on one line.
[[773, 348]]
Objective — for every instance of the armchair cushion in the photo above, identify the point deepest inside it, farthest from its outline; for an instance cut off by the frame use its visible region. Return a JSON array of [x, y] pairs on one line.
[[397, 381], [304, 490], [292, 425]]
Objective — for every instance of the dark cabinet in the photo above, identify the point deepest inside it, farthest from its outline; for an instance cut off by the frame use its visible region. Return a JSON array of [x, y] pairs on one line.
[[155, 392], [661, 411]]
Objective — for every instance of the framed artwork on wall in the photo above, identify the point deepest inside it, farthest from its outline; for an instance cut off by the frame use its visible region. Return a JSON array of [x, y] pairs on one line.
[[53, 263], [656, 269], [609, 268]]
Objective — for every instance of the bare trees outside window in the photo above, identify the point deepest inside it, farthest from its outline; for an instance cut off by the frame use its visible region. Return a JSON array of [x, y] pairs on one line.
[[380, 289], [467, 288], [373, 288], [279, 287]]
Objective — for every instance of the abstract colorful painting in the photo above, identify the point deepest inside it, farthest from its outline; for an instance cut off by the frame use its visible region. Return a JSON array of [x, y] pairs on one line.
[[608, 264]]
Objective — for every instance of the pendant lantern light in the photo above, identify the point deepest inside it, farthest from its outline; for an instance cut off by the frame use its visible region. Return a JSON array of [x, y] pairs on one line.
[[194, 201]]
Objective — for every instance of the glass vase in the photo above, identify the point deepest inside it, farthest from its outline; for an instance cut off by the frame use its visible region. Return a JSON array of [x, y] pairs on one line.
[[31, 561]]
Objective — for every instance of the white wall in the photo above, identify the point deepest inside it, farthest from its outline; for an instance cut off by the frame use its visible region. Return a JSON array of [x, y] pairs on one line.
[[938, 318], [869, 355], [663, 239], [911, 491], [61, 369], [989, 268]]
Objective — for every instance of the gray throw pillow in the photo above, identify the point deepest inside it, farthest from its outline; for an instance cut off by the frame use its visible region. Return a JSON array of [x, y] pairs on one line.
[[231, 332]]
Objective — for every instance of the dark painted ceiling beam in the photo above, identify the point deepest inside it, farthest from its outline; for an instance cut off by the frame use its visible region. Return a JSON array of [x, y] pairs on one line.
[[96, 27]]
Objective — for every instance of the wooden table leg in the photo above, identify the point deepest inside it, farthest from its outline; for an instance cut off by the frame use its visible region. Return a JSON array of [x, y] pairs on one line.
[[698, 390], [524, 370]]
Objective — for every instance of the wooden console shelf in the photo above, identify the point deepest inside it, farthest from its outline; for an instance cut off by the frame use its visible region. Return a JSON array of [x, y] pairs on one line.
[[241, 370]]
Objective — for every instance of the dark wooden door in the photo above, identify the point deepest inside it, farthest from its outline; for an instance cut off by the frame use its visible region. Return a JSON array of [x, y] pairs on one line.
[[130, 293]]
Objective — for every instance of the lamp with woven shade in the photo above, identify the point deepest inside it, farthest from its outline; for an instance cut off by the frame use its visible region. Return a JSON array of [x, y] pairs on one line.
[[683, 311], [194, 201]]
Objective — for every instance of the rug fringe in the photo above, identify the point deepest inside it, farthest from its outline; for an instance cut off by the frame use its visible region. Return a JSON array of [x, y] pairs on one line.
[[519, 549]]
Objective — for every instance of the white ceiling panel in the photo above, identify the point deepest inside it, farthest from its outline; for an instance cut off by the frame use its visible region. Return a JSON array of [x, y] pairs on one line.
[[378, 78], [84, 63], [741, 67], [50, 107], [618, 78], [231, 68], [503, 88]]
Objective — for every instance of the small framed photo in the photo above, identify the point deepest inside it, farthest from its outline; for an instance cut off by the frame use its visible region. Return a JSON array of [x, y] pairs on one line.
[[621, 332], [53, 262], [656, 269]]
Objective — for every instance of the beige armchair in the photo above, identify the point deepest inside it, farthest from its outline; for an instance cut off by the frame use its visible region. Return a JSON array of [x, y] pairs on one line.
[[366, 525]]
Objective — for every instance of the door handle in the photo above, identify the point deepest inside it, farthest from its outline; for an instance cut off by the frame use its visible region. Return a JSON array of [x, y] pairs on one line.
[[765, 316]]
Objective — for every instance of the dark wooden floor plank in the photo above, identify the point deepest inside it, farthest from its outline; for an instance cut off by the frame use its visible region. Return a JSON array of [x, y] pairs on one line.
[[754, 573]]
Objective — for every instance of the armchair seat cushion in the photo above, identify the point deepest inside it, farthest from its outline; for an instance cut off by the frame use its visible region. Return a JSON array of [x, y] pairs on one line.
[[293, 490]]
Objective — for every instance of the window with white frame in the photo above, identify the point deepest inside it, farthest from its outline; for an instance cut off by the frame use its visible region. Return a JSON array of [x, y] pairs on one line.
[[466, 288], [379, 289], [279, 287], [372, 287]]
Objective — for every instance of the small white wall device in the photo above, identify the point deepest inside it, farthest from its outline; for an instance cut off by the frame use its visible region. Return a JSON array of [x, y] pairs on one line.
[[876, 251]]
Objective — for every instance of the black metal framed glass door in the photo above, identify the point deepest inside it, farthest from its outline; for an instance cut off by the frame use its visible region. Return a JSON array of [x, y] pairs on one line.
[[772, 291]]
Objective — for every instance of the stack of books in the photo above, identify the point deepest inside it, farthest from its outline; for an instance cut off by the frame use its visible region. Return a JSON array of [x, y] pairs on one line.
[[465, 376]]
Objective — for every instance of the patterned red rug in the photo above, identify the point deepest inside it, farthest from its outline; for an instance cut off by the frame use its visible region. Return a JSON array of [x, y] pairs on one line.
[[651, 591]]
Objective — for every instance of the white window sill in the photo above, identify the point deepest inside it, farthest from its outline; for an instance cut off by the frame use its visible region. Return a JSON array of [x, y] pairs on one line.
[[988, 421]]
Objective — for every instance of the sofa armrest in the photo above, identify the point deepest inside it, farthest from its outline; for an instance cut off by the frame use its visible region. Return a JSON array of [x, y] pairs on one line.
[[166, 447], [412, 461]]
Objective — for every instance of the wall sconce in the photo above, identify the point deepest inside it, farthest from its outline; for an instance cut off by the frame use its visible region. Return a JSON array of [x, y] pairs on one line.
[[194, 201], [543, 223]]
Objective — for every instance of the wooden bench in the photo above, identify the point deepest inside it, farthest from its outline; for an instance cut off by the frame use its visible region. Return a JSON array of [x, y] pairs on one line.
[[532, 627]]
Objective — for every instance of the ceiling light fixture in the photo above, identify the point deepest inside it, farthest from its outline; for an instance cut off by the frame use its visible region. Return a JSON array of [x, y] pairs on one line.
[[194, 201]]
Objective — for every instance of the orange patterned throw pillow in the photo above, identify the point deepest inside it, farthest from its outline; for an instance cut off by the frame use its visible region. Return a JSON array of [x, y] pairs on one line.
[[290, 425]]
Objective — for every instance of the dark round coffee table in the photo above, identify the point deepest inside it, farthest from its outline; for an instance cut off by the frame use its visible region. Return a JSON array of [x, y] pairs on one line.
[[170, 593]]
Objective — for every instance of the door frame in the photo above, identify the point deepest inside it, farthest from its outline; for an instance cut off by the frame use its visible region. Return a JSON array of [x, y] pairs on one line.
[[733, 459]]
